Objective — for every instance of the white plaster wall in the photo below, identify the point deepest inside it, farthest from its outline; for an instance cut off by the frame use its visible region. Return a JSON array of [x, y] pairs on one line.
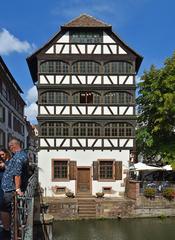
[[83, 158], [50, 79], [106, 80], [82, 48], [106, 49], [107, 38], [82, 79], [90, 79], [122, 79], [50, 50], [97, 49], [58, 48], [59, 79], [113, 48], [90, 48], [43, 80], [130, 111], [130, 80], [65, 49], [74, 49], [64, 38], [121, 51]]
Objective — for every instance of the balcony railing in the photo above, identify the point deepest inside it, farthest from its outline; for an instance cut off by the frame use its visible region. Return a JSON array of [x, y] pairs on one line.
[[22, 211]]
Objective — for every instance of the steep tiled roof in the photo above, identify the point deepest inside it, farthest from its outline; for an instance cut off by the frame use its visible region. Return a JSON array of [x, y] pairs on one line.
[[85, 20]]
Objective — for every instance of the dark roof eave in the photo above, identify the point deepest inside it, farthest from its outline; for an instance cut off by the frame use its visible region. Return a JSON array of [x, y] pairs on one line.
[[32, 64], [139, 57], [138, 63]]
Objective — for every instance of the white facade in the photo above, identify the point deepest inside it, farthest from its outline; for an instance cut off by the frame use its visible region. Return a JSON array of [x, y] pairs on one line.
[[84, 159]]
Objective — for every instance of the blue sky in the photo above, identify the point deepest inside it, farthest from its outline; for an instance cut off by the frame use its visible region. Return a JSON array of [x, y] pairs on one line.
[[145, 25]]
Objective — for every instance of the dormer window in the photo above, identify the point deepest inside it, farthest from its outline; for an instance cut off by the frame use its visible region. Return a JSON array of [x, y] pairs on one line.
[[86, 37]]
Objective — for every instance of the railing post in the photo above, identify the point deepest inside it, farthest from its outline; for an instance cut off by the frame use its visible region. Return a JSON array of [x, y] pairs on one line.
[[14, 227], [22, 212]]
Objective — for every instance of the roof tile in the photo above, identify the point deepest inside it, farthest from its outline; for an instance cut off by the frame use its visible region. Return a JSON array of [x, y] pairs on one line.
[[85, 20]]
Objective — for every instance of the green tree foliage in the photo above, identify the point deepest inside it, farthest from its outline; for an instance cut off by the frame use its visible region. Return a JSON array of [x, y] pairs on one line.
[[155, 135]]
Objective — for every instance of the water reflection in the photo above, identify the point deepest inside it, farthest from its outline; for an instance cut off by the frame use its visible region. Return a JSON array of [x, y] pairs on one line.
[[133, 229]]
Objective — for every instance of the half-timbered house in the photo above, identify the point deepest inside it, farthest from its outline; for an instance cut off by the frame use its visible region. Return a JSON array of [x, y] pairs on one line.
[[85, 77]]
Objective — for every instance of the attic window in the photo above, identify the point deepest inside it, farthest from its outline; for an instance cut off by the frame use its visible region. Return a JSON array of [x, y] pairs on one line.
[[86, 37]]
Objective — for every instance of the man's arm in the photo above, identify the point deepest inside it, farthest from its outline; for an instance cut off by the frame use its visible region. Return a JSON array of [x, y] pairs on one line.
[[18, 185]]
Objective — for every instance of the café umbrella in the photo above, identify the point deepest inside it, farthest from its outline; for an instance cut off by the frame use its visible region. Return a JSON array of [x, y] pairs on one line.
[[142, 167]]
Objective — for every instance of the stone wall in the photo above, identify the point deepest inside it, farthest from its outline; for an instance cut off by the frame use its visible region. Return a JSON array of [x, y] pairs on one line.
[[67, 208], [154, 208], [114, 208], [62, 208], [133, 189]]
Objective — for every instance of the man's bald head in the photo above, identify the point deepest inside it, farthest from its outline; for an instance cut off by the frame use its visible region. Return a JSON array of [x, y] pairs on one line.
[[14, 145]]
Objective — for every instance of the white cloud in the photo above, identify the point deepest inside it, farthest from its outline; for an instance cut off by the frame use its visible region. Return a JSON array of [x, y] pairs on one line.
[[9, 43], [32, 95], [31, 110], [138, 79]]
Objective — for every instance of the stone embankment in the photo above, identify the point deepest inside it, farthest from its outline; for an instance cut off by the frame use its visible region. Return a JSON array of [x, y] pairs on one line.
[[74, 209]]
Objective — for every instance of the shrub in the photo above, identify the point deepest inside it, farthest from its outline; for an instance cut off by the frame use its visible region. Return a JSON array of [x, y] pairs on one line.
[[169, 193], [70, 194], [100, 194], [149, 192]]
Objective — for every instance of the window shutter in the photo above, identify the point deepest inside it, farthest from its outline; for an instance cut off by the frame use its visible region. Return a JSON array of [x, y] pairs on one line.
[[118, 170], [95, 170], [72, 170]]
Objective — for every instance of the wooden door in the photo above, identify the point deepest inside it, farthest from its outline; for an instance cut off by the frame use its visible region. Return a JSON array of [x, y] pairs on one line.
[[83, 180]]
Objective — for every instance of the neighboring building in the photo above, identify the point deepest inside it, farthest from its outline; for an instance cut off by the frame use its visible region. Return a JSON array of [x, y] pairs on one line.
[[32, 142], [85, 77], [12, 122]]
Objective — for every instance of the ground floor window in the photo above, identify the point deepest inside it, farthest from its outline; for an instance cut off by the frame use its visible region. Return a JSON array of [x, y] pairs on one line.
[[106, 169], [59, 169]]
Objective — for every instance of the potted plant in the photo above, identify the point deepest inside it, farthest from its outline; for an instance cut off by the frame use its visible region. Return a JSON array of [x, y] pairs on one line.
[[70, 194], [100, 194], [150, 192], [169, 193]]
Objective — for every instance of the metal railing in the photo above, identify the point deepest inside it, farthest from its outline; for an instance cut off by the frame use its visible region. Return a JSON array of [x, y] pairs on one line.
[[159, 186], [22, 211]]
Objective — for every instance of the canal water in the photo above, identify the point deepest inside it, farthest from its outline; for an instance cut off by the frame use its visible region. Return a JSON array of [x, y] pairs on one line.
[[132, 229]]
